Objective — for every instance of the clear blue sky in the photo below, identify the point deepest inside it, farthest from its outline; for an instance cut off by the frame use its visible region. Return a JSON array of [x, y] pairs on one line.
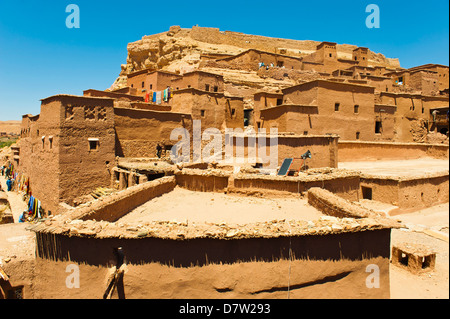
[[40, 56]]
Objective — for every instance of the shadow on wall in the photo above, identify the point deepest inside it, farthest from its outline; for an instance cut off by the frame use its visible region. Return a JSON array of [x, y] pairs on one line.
[[204, 251]]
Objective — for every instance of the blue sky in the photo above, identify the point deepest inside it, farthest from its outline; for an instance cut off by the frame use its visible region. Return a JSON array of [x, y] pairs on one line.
[[40, 56]]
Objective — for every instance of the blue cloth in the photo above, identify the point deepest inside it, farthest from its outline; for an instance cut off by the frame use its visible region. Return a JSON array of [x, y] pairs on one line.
[[9, 184]]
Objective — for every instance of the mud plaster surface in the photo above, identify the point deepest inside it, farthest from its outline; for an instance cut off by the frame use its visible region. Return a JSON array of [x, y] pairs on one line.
[[181, 205], [403, 168]]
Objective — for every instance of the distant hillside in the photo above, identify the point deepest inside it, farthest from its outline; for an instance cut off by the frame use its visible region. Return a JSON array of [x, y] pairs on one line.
[[10, 127]]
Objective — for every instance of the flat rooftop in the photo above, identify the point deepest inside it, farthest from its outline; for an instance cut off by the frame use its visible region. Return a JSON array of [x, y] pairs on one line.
[[399, 168], [183, 205]]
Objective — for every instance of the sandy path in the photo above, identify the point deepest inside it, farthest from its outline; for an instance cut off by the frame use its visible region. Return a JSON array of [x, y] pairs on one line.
[[429, 285], [182, 205]]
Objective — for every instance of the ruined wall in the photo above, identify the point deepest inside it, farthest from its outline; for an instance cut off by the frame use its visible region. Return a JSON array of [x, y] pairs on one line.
[[333, 205], [412, 114], [353, 151], [249, 61]]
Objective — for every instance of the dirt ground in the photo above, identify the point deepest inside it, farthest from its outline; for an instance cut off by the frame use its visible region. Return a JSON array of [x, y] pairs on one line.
[[182, 205], [428, 227], [399, 167]]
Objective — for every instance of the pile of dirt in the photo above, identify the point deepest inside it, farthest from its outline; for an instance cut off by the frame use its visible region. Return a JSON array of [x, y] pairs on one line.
[[437, 138]]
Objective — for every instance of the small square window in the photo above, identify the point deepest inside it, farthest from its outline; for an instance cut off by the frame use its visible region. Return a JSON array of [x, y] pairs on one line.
[[216, 88], [202, 113], [93, 144], [356, 108], [330, 55], [357, 135], [151, 86], [207, 87], [305, 132], [336, 107]]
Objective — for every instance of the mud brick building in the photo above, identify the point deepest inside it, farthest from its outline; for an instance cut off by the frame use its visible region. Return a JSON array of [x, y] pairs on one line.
[[305, 89]]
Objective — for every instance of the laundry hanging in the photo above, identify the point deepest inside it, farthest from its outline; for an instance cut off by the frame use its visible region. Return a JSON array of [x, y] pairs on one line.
[[158, 97]]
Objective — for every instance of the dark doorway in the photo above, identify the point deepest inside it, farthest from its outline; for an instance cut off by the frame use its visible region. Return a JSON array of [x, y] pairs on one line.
[[366, 192]]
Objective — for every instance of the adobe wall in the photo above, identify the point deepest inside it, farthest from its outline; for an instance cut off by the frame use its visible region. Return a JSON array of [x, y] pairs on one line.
[[321, 267], [324, 149], [37, 161], [113, 95], [289, 118], [83, 168], [135, 82], [203, 181], [199, 80], [424, 192], [213, 109], [409, 194], [159, 81], [427, 82], [386, 116], [345, 121], [115, 206], [333, 205], [345, 185], [354, 151], [411, 110], [139, 131]]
